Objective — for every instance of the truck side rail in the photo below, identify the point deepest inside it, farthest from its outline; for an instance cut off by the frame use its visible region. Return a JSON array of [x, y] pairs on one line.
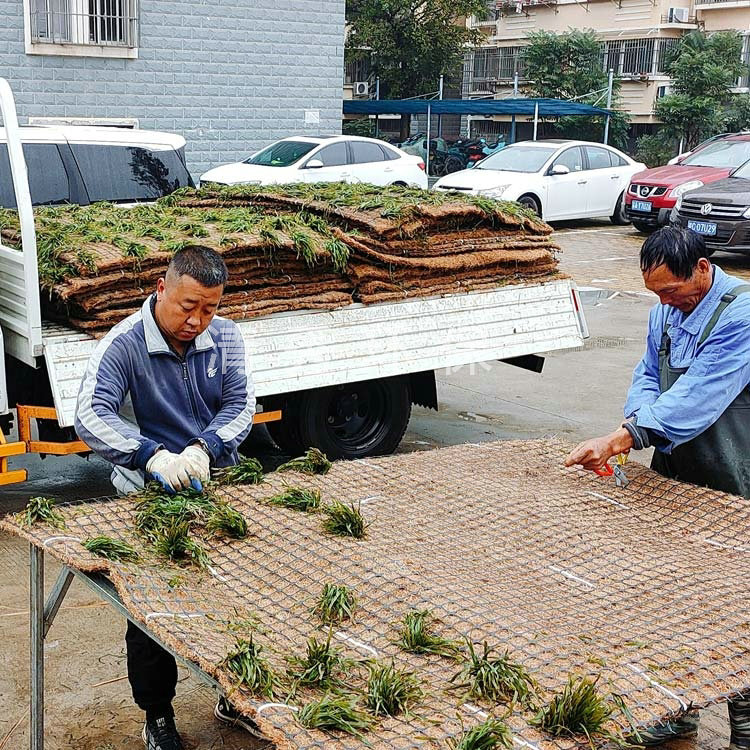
[[20, 314]]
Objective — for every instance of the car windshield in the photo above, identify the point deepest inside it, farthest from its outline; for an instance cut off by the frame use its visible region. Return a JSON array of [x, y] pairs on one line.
[[743, 171], [518, 159], [722, 154], [281, 154]]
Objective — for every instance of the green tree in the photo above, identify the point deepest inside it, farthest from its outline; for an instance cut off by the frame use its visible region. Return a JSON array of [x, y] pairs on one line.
[[569, 66], [704, 68], [410, 43]]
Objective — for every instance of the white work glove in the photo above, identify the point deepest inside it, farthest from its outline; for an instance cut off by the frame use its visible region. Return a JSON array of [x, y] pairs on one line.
[[198, 462], [170, 469]]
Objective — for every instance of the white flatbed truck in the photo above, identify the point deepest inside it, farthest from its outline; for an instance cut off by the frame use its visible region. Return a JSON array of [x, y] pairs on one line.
[[343, 379]]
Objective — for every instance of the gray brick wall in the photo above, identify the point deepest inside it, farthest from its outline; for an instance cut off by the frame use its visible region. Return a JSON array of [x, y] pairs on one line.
[[228, 75]]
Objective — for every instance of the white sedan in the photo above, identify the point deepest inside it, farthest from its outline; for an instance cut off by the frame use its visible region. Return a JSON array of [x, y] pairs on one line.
[[338, 158], [558, 179]]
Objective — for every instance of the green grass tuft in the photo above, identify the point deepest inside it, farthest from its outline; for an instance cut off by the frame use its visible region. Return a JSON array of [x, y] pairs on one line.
[[111, 549], [391, 691], [297, 498], [335, 713], [313, 462], [226, 521], [495, 677], [344, 520], [40, 509], [416, 637], [578, 710], [336, 603], [250, 667], [323, 665], [246, 471], [173, 541], [488, 735]]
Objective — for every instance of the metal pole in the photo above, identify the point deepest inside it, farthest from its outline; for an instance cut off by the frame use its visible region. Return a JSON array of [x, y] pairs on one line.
[[609, 104], [513, 116], [427, 160], [536, 118], [36, 638], [377, 97], [440, 96]]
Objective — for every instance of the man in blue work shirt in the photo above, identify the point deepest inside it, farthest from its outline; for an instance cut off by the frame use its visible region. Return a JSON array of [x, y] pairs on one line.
[[689, 398], [168, 394]]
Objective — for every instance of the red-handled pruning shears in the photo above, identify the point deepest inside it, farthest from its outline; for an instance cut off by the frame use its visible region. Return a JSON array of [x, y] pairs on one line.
[[607, 471]]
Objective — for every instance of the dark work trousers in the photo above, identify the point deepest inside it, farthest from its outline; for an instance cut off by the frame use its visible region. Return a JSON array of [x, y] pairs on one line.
[[152, 673]]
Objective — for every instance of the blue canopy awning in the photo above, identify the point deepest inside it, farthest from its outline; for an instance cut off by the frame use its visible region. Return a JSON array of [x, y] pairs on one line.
[[518, 106]]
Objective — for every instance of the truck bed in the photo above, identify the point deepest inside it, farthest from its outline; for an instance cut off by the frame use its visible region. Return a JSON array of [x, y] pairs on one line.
[[309, 349]]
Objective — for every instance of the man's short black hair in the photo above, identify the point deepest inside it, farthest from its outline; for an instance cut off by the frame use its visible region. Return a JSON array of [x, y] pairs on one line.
[[201, 263], [678, 249]]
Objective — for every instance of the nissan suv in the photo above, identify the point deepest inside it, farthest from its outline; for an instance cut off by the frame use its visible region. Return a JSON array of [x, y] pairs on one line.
[[720, 212], [81, 165], [652, 194]]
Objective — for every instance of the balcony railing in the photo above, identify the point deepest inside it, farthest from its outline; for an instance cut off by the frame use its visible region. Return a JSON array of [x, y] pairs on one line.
[[717, 2], [112, 23]]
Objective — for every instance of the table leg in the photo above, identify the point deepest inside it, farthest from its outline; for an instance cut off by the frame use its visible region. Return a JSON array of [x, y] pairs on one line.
[[36, 632]]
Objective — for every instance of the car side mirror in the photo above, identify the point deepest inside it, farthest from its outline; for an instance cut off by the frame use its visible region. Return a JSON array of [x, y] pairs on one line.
[[314, 164], [559, 169]]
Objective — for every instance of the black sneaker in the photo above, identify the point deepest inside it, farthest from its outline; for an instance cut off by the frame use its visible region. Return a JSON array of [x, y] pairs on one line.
[[680, 728], [225, 712], [161, 734]]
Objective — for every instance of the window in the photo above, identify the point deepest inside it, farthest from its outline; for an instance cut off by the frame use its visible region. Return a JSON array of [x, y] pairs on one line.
[[617, 160], [517, 158], [109, 23], [281, 153], [48, 180], [333, 155], [724, 154], [598, 157], [129, 173], [366, 152], [390, 154], [572, 158]]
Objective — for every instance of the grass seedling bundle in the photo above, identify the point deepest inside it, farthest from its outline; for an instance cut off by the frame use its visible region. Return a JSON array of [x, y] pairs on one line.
[[247, 471], [333, 713], [322, 665], [336, 603], [313, 462], [253, 672], [578, 710], [173, 541], [111, 549], [344, 520], [391, 691], [416, 637], [495, 677], [489, 735], [226, 521], [40, 509], [297, 498]]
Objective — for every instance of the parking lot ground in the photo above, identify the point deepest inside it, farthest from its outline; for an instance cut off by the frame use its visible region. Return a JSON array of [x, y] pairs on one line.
[[578, 395]]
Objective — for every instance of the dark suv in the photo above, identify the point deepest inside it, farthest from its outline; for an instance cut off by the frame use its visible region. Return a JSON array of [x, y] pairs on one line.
[[720, 212], [82, 165]]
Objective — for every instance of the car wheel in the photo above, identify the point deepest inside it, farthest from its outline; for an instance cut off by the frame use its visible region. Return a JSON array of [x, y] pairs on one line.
[[644, 228], [619, 216], [529, 201], [355, 420]]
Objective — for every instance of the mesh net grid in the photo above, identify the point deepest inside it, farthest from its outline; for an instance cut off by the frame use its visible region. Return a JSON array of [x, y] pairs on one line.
[[642, 587]]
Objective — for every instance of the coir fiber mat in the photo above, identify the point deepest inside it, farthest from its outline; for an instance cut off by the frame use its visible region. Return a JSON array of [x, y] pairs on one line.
[[642, 588]]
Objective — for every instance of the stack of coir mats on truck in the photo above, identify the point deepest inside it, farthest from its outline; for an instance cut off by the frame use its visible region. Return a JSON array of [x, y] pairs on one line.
[[287, 248]]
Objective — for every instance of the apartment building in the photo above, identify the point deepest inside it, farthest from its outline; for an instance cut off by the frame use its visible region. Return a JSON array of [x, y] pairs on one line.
[[635, 36], [230, 77]]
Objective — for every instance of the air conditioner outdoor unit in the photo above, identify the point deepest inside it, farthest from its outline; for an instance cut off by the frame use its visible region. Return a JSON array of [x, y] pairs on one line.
[[361, 88], [678, 15]]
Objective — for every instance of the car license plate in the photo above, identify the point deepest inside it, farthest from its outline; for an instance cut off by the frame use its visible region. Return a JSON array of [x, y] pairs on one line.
[[703, 227], [641, 205]]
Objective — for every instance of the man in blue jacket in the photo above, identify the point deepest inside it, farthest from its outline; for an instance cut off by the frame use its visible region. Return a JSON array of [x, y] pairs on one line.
[[167, 395], [689, 398]]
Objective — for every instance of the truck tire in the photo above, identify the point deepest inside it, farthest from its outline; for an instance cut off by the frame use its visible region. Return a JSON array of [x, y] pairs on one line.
[[356, 420], [285, 433]]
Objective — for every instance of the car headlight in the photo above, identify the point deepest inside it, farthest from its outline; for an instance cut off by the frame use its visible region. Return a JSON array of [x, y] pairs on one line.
[[493, 192], [250, 182], [678, 205], [681, 189], [746, 214]]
